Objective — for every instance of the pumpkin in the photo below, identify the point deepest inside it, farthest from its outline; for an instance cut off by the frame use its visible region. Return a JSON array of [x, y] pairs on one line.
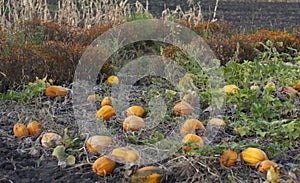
[[191, 141], [190, 98], [270, 86], [133, 123], [34, 128], [125, 154], [103, 166], [229, 158], [54, 91], [253, 155], [182, 108], [51, 139], [190, 125], [105, 113], [230, 89], [265, 166], [105, 101], [297, 86], [290, 90], [91, 98], [20, 130], [112, 80], [254, 87], [97, 143], [135, 110], [148, 174], [217, 122]]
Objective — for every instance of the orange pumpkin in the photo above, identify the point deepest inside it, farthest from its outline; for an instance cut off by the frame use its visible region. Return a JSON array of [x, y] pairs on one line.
[[51, 140], [148, 174], [105, 113], [217, 122], [190, 125], [297, 86], [55, 91], [34, 128], [135, 110], [230, 89], [133, 123], [125, 154], [20, 130], [252, 156], [265, 166], [229, 158], [182, 108], [112, 80], [105, 101], [97, 143], [103, 166], [191, 141]]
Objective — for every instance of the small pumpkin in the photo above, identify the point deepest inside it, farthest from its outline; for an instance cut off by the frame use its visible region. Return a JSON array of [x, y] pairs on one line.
[[191, 141], [182, 108], [105, 112], [230, 89], [190, 125], [297, 86], [103, 166], [217, 122], [34, 128], [135, 110], [55, 91], [91, 98], [105, 101], [133, 123], [254, 87], [112, 80], [265, 166], [97, 143], [253, 155], [20, 130], [190, 98], [51, 140], [290, 90], [148, 174], [229, 158], [125, 154]]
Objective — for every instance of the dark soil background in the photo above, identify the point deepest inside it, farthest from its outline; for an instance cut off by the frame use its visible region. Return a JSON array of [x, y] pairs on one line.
[[19, 164]]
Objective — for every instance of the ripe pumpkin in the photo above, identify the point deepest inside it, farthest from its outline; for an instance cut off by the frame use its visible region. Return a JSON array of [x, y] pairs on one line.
[[190, 98], [135, 110], [105, 113], [253, 155], [230, 89], [190, 125], [55, 91], [103, 166], [97, 143], [148, 174], [105, 101], [265, 166], [20, 130], [290, 90], [125, 154], [191, 141], [229, 158], [217, 122], [297, 86], [34, 128], [51, 140], [112, 80], [91, 98], [182, 108], [133, 123]]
